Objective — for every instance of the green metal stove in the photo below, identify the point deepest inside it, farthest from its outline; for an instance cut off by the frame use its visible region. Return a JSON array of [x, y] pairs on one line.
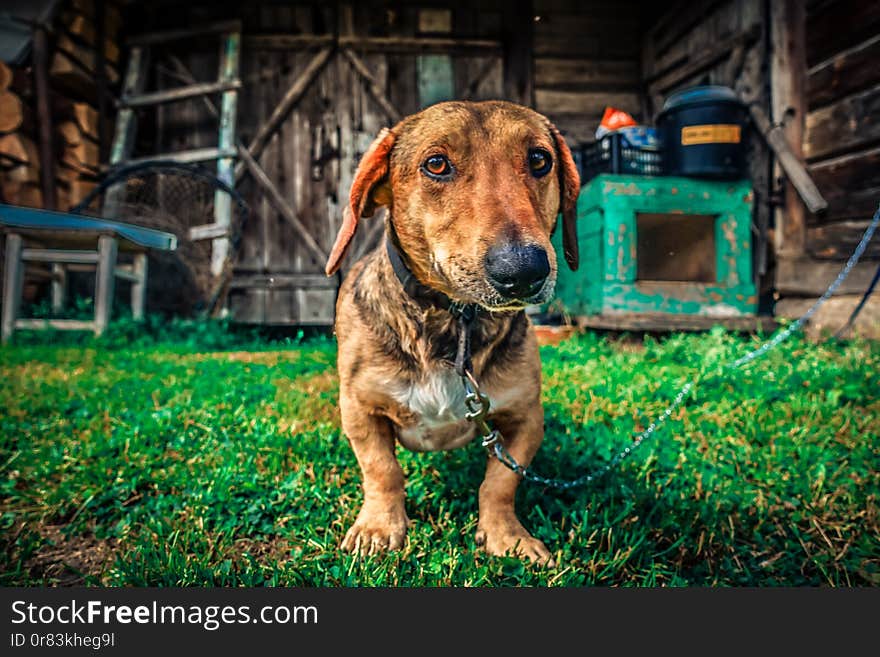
[[660, 247]]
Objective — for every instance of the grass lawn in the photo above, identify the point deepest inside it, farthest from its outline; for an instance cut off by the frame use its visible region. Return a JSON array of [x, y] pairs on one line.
[[206, 458]]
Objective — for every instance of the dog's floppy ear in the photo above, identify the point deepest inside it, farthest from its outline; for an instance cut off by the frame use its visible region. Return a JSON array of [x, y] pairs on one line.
[[367, 192], [569, 188]]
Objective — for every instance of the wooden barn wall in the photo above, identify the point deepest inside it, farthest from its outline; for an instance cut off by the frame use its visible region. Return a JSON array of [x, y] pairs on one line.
[[586, 57], [842, 138], [723, 43]]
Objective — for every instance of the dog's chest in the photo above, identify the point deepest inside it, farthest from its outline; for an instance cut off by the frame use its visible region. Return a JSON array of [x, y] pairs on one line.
[[435, 412]]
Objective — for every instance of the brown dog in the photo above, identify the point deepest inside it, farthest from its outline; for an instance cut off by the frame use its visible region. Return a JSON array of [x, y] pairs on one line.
[[473, 191]]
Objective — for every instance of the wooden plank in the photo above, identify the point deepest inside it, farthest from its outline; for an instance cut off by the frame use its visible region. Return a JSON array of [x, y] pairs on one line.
[[838, 25], [372, 86], [174, 95], [123, 138], [790, 163], [837, 241], [57, 324], [104, 282], [788, 69], [663, 81], [13, 276], [5, 75], [847, 72], [59, 287], [230, 52], [139, 289], [587, 75], [290, 99], [517, 52], [59, 255], [281, 204], [194, 155], [209, 232], [808, 276], [167, 36], [400, 45], [283, 281], [850, 184], [126, 275], [591, 104], [845, 126]]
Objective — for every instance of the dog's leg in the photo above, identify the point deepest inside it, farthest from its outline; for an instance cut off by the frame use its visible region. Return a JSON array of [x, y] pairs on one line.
[[382, 522], [498, 529]]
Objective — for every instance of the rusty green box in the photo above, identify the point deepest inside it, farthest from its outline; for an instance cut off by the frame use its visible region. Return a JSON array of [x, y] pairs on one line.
[[660, 245]]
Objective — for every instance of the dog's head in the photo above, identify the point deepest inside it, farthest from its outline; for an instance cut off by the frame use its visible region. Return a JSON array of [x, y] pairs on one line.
[[474, 191]]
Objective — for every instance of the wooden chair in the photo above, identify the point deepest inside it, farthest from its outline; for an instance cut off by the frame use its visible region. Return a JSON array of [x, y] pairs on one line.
[[71, 242]]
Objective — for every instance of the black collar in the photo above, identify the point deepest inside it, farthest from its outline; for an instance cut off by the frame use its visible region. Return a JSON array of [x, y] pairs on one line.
[[420, 292], [464, 314]]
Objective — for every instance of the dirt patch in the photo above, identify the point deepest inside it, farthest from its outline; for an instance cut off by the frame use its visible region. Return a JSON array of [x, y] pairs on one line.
[[70, 560]]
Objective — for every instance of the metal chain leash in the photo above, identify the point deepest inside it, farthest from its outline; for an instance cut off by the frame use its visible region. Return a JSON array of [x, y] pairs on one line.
[[479, 406]]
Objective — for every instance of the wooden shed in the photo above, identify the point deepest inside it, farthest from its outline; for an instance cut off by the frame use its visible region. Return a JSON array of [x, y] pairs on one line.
[[315, 82]]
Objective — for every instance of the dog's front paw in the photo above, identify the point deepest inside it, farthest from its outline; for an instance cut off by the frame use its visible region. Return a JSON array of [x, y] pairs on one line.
[[376, 531], [507, 537]]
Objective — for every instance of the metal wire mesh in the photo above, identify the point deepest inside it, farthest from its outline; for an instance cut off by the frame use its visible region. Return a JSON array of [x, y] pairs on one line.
[[173, 197]]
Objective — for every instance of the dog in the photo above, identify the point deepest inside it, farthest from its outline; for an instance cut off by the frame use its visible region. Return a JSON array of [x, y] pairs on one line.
[[473, 192]]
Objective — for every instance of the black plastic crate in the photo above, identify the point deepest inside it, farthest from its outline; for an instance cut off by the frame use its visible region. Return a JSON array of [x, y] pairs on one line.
[[614, 153]]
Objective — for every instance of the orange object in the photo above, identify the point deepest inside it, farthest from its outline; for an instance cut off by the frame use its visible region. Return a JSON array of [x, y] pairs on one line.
[[614, 119]]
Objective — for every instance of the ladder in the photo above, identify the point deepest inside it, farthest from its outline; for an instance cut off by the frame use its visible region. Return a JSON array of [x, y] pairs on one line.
[[227, 84]]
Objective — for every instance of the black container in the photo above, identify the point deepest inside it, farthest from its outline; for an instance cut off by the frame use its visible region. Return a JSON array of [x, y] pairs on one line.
[[614, 153], [704, 132]]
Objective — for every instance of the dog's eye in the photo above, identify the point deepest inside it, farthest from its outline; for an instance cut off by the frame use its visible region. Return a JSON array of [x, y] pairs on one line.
[[437, 166], [540, 162]]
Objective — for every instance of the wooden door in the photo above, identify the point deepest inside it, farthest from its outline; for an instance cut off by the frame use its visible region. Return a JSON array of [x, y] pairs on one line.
[[369, 82]]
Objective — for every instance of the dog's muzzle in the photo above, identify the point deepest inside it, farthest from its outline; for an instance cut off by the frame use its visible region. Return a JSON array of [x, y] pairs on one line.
[[517, 271]]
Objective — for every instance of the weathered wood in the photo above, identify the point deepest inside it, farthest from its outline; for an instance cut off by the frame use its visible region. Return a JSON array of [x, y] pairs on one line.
[[850, 184], [139, 288], [837, 241], [372, 85], [13, 276], [809, 276], [209, 232], [290, 99], [601, 75], [167, 36], [59, 255], [59, 287], [57, 324], [174, 95], [183, 157], [517, 52], [845, 126], [832, 316], [230, 52], [835, 26], [664, 81], [125, 124], [11, 113], [845, 73], [591, 104], [790, 163], [283, 281], [44, 117], [400, 45], [104, 282], [788, 67], [281, 204]]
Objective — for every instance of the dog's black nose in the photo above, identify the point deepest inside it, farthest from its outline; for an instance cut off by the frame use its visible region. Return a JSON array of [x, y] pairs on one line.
[[517, 271]]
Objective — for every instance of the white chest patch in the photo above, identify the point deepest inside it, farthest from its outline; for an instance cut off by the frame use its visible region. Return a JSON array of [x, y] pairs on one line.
[[437, 401]]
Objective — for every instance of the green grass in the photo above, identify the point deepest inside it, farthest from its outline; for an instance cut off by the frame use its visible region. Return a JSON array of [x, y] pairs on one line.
[[188, 455]]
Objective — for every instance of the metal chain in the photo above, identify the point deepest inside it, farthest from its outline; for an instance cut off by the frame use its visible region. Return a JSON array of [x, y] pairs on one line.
[[478, 402]]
